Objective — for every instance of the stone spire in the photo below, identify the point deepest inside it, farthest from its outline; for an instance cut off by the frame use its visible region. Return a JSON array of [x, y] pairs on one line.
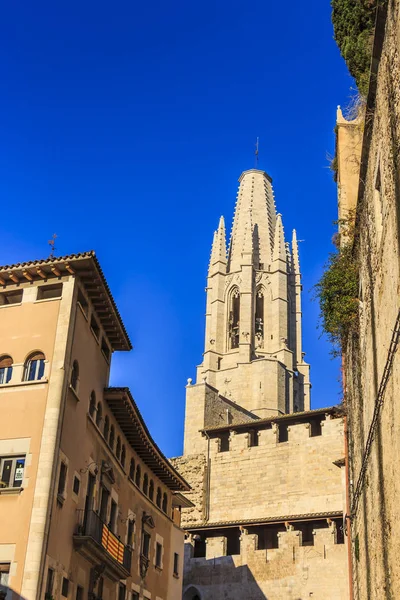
[[255, 198], [218, 251], [279, 252], [295, 254]]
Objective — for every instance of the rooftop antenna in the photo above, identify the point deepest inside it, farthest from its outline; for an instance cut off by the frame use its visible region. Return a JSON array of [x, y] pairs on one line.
[[52, 245], [256, 154]]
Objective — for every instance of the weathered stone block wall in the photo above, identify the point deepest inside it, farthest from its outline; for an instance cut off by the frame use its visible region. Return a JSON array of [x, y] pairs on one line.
[[376, 528], [274, 479], [194, 469], [289, 572]]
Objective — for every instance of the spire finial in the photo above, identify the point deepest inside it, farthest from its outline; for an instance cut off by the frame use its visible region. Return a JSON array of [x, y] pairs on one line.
[[256, 154]]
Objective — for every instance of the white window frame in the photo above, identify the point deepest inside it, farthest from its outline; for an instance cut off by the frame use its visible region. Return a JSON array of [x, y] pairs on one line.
[[14, 459]]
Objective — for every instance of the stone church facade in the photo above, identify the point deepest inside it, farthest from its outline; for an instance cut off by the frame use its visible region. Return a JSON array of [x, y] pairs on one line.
[[267, 473]]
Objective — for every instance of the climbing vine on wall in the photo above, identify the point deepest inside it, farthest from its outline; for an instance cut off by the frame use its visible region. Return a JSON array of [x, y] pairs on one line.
[[337, 291], [353, 25]]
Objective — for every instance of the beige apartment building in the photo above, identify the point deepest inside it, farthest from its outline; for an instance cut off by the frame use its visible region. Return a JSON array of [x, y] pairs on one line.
[[89, 505], [267, 472]]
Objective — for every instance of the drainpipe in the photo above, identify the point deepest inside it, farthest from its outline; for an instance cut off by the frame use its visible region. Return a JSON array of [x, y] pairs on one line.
[[347, 475]]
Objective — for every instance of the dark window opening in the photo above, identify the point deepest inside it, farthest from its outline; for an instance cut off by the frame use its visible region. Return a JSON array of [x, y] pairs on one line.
[[307, 536], [158, 498], [49, 582], [315, 428], [176, 564], [138, 475], [234, 317], [123, 455], [113, 516], [199, 547], [75, 375], [259, 317], [99, 414], [260, 266], [118, 448], [14, 297], [158, 554], [79, 593], [283, 433], [132, 469], [146, 544], [145, 484], [267, 536], [76, 485], [151, 490], [62, 479], [106, 428], [64, 587], [121, 592], [339, 531], [219, 363], [232, 542], [112, 437], [131, 529], [92, 405], [95, 327], [47, 292], [224, 442], [253, 438], [105, 494], [100, 587], [165, 502]]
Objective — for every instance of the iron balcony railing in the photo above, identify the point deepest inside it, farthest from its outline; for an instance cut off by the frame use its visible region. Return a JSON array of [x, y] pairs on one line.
[[91, 525]]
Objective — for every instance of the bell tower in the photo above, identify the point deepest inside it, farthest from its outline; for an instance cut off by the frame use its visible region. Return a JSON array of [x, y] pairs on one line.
[[253, 355]]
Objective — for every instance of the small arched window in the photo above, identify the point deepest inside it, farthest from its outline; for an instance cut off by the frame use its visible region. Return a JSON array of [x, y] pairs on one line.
[[145, 484], [112, 437], [118, 448], [132, 469], [158, 497], [259, 318], [123, 455], [165, 502], [106, 428], [92, 405], [151, 490], [99, 415], [75, 376], [138, 475], [34, 367], [5, 368]]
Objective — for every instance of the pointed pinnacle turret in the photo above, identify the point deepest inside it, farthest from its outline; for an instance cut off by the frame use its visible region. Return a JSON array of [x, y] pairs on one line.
[[279, 252], [218, 251], [295, 254]]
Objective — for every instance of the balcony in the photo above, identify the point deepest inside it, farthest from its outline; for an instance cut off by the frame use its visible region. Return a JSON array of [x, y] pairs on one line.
[[99, 545]]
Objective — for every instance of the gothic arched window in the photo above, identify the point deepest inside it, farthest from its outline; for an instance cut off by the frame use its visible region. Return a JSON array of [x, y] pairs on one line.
[[132, 469], [158, 497], [151, 490], [234, 318], [138, 475], [112, 437], [123, 455], [92, 405], [145, 483], [118, 448], [165, 502], [6, 369], [259, 319], [106, 428], [99, 415]]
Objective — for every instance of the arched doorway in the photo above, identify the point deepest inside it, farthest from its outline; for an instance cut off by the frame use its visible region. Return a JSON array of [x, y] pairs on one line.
[[192, 593]]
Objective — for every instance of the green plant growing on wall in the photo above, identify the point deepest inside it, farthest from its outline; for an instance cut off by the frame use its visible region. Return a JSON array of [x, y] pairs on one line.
[[337, 290], [353, 26]]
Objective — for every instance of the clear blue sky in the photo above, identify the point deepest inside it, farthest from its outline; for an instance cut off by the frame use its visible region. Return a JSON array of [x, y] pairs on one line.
[[124, 129]]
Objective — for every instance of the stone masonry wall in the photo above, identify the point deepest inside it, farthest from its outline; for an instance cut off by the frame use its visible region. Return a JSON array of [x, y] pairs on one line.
[[289, 572], [194, 469], [376, 527], [275, 479]]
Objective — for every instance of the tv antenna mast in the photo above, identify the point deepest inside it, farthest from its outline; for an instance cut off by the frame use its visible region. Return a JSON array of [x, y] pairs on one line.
[[52, 243]]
